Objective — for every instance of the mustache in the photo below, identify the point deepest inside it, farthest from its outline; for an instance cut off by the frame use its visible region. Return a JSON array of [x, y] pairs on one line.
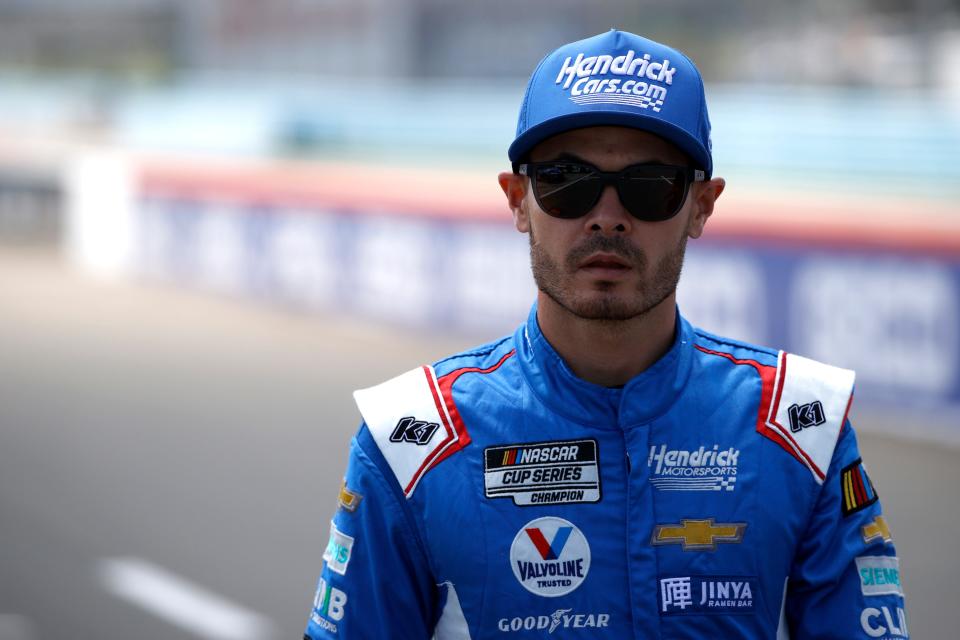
[[596, 244]]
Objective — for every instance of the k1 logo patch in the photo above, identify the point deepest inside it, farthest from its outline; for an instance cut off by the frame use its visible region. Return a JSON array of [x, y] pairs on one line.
[[410, 429], [550, 557], [804, 416], [699, 595], [540, 473]]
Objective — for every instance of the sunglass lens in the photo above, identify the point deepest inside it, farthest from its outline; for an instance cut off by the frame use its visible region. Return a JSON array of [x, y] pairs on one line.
[[653, 193], [567, 189]]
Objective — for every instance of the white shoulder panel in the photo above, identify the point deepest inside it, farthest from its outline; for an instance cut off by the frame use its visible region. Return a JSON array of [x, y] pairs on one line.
[[811, 400], [451, 625], [783, 633], [409, 422]]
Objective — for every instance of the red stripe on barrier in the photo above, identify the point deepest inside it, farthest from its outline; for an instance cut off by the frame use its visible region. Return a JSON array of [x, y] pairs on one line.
[[782, 218]]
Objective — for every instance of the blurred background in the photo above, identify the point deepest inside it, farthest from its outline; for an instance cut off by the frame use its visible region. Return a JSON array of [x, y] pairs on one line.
[[218, 217]]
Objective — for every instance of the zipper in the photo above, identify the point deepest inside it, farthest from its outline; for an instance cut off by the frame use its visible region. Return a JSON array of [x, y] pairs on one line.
[[626, 520]]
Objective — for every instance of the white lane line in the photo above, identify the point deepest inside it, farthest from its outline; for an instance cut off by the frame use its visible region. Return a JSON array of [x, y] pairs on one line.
[[181, 602]]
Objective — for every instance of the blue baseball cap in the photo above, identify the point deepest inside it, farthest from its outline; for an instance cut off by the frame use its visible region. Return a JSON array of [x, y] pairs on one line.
[[616, 78]]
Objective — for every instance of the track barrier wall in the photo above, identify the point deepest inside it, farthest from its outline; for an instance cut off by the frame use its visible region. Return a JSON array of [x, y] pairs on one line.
[[882, 299]]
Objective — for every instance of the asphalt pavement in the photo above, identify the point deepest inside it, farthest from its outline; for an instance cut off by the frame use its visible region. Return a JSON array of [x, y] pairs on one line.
[[169, 460]]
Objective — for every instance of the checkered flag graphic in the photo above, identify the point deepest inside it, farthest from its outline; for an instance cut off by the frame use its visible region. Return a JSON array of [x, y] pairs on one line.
[[727, 483]]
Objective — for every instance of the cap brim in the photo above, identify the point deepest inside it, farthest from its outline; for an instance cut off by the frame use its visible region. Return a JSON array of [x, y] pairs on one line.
[[669, 132]]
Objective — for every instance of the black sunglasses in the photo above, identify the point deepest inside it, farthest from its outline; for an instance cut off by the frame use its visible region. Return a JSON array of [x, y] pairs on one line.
[[649, 192]]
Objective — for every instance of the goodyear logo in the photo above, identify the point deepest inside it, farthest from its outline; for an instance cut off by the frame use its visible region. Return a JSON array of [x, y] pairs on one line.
[[540, 473]]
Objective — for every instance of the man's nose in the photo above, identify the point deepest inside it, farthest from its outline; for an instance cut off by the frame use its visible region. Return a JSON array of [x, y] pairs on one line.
[[608, 216]]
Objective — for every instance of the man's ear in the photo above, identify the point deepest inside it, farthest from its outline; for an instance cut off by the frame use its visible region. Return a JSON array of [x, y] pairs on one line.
[[705, 197], [515, 188]]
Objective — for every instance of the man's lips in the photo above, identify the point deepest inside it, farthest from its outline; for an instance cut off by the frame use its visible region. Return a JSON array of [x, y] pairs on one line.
[[605, 261], [605, 266]]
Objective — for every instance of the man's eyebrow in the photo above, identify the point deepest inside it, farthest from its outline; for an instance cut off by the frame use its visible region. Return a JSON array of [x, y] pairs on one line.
[[571, 157]]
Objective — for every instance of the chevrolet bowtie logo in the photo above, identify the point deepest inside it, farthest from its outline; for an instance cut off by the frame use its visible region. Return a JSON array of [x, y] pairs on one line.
[[698, 535], [877, 530], [348, 499]]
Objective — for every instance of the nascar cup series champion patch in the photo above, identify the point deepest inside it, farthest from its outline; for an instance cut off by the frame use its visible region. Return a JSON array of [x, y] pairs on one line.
[[541, 473]]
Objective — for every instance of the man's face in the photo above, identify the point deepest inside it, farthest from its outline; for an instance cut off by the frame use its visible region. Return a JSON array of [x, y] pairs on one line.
[[609, 265]]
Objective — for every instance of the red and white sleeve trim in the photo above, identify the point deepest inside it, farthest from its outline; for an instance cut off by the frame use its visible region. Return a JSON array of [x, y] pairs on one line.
[[796, 383], [801, 382], [421, 395]]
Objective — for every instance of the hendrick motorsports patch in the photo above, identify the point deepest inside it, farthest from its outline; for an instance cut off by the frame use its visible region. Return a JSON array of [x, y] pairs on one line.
[[540, 473]]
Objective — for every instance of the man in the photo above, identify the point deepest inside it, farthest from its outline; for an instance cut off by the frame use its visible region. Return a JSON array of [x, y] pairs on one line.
[[608, 471]]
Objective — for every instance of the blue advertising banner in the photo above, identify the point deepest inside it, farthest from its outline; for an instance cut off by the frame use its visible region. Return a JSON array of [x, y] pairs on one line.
[[893, 316]]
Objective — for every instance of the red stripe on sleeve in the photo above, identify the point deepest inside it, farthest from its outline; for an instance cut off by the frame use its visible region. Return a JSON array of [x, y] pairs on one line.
[[858, 486]]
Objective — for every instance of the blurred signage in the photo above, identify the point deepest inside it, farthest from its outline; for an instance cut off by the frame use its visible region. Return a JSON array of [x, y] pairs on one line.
[[30, 208], [892, 316]]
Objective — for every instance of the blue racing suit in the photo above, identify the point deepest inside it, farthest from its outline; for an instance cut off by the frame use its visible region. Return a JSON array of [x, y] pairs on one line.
[[718, 494]]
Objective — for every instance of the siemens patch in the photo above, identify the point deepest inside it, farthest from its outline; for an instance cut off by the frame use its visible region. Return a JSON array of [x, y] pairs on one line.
[[704, 595], [539, 473], [337, 553], [879, 575]]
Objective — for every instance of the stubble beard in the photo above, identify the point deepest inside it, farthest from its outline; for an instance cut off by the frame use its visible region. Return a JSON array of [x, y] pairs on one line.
[[603, 303]]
